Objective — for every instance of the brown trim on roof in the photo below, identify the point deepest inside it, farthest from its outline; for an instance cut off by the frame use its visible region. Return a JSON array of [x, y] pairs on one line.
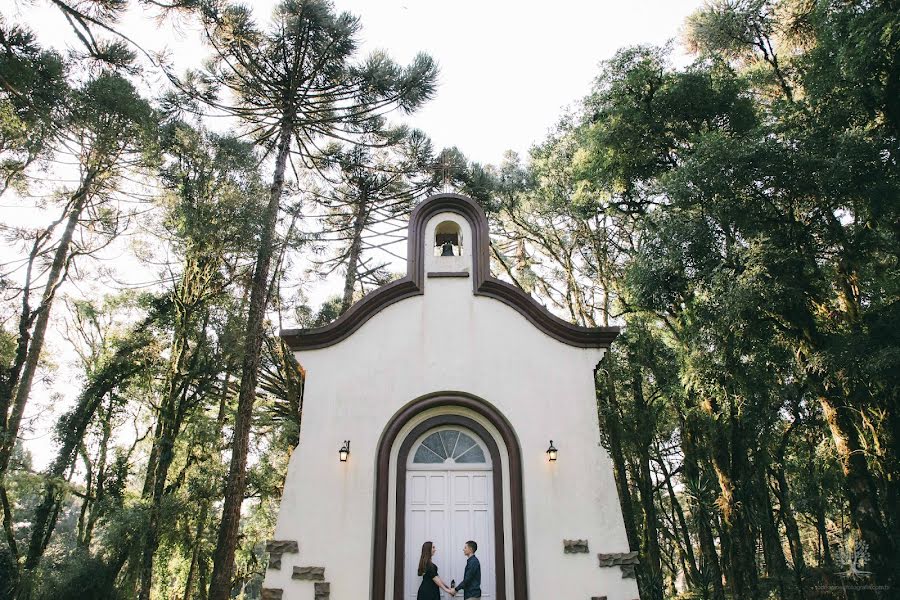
[[482, 285], [382, 493], [350, 321]]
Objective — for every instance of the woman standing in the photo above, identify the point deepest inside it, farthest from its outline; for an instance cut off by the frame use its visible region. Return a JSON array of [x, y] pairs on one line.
[[431, 586]]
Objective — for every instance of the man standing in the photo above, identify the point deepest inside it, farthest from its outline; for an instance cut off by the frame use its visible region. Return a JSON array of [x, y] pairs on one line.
[[471, 583]]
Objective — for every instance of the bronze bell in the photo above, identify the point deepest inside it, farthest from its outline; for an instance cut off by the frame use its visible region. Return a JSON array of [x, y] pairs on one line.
[[447, 249]]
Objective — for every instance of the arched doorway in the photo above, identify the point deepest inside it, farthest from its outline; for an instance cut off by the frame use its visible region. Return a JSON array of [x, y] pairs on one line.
[[394, 455], [449, 500]]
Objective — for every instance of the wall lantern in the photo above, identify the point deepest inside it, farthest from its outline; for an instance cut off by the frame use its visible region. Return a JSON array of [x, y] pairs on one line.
[[344, 452], [552, 452]]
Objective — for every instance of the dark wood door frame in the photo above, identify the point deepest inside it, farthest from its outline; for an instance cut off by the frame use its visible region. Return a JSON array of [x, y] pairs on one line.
[[512, 458]]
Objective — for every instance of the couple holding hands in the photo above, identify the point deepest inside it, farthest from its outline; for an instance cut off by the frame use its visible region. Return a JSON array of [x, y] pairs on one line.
[[431, 586]]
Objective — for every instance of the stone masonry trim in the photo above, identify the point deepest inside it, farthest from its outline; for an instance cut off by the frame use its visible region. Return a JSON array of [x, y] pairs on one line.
[[628, 572], [575, 546], [281, 546], [323, 591], [625, 560], [276, 548], [309, 573], [618, 558]]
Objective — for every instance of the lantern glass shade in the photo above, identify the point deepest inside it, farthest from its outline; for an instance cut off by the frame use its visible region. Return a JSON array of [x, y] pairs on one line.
[[344, 452], [552, 452]]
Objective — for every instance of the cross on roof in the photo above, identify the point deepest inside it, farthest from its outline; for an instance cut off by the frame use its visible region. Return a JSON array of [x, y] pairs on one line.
[[445, 170]]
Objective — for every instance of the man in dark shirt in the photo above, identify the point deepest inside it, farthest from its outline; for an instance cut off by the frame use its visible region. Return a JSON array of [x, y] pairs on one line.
[[471, 583]]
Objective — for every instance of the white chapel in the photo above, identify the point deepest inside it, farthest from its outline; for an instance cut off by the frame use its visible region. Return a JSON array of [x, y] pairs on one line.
[[447, 406]]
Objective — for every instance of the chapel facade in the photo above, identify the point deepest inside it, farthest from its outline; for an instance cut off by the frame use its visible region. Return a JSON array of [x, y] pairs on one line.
[[447, 406]]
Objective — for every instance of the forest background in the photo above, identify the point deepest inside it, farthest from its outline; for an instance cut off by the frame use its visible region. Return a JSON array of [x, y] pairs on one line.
[[730, 199]]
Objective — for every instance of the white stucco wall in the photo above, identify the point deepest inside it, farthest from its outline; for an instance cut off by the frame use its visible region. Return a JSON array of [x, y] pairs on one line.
[[450, 340]]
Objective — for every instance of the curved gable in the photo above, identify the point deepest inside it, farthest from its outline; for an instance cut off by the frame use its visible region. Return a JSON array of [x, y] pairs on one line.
[[483, 284]]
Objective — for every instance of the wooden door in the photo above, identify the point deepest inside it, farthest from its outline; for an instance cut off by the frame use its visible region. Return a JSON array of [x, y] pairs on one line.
[[449, 502]]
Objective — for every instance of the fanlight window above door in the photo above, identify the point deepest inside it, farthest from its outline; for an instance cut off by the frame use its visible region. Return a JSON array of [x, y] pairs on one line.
[[449, 446]]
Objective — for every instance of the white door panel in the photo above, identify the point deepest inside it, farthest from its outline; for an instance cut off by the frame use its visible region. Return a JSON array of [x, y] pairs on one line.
[[450, 508], [426, 518]]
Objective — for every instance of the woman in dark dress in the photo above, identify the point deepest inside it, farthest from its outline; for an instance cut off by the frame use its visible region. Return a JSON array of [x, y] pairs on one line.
[[431, 586]]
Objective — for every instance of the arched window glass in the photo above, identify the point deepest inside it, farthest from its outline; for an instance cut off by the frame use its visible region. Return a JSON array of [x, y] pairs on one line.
[[449, 446]]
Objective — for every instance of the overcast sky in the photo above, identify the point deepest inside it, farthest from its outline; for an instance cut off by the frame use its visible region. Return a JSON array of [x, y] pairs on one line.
[[508, 67], [508, 70]]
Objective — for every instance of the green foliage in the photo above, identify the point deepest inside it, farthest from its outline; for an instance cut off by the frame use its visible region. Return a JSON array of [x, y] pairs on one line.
[[303, 63], [210, 178], [641, 121], [7, 346], [33, 93], [741, 215], [80, 575], [737, 215], [330, 310], [110, 112], [374, 184]]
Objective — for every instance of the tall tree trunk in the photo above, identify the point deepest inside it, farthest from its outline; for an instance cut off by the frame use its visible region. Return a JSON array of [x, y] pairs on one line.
[[860, 490], [152, 459], [729, 462], [359, 223], [198, 568], [727, 562], [792, 531], [149, 540], [8, 530], [9, 376], [682, 533], [223, 562], [202, 577], [650, 535], [776, 565], [169, 427], [74, 425], [199, 564], [701, 512], [817, 506], [151, 534], [88, 493], [609, 416], [191, 316], [822, 532], [195, 553], [55, 277], [100, 492]]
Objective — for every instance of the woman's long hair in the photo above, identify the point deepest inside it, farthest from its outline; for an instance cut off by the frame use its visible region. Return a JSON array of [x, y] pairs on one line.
[[425, 559]]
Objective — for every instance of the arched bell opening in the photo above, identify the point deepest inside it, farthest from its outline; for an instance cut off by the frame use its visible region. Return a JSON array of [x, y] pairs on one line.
[[447, 239]]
